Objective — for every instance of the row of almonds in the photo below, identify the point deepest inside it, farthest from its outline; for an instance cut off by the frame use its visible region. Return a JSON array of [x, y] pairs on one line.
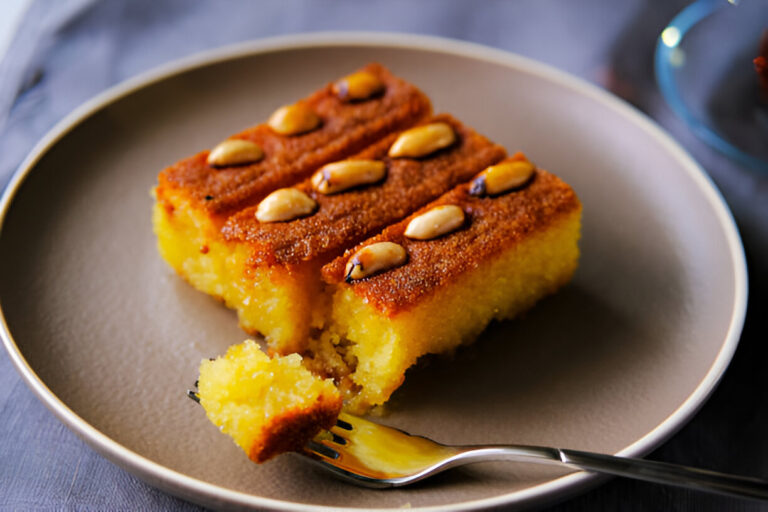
[[290, 203], [287, 204], [438, 220], [294, 120]]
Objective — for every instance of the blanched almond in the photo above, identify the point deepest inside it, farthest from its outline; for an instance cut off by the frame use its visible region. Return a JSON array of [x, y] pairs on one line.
[[436, 222], [294, 119], [502, 177], [285, 204], [374, 258], [423, 140], [338, 176], [358, 86], [235, 152]]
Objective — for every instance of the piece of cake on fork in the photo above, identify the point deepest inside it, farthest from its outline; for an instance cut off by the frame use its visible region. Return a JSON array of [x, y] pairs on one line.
[[268, 406]]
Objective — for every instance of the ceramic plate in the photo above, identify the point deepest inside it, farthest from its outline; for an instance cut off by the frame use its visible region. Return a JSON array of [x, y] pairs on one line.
[[110, 338]]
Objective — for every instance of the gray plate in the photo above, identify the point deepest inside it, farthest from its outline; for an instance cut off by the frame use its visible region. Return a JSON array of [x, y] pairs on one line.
[[109, 337]]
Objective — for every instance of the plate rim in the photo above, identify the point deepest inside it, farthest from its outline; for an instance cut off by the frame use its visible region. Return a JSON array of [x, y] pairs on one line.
[[191, 488]]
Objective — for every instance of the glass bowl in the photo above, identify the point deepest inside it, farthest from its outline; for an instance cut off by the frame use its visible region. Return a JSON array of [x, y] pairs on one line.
[[704, 68]]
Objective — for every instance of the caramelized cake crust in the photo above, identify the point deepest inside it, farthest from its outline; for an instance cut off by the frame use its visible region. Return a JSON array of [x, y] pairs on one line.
[[346, 128], [494, 224], [344, 219]]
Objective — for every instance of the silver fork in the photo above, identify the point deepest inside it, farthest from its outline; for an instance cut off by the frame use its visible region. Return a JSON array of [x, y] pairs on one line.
[[373, 455]]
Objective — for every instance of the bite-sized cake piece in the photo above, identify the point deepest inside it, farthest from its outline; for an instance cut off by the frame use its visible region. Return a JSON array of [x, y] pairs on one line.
[[195, 196], [268, 406], [487, 250], [283, 242]]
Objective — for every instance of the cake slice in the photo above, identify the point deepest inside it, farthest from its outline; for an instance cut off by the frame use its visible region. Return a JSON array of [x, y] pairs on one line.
[[195, 196], [268, 406], [502, 246], [277, 264]]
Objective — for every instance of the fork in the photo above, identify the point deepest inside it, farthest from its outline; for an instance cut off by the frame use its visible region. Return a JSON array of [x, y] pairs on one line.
[[373, 455]]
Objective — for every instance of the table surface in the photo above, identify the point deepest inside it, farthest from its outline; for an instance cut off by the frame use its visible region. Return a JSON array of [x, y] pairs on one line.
[[65, 52]]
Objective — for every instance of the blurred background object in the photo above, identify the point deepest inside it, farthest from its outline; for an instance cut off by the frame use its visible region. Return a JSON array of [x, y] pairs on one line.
[[713, 87]]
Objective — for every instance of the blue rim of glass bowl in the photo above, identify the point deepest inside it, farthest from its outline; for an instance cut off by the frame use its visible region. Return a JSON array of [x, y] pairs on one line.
[[668, 43]]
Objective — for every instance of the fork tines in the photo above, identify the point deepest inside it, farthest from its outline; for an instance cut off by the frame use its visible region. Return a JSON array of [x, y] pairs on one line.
[[343, 424], [321, 449], [192, 393]]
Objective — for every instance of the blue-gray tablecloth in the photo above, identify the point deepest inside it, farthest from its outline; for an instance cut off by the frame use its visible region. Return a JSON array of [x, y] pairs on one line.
[[66, 51]]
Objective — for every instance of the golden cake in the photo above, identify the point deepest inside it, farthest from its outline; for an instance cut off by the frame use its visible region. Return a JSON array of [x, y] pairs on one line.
[[357, 233], [506, 252], [195, 196], [268, 406], [283, 298]]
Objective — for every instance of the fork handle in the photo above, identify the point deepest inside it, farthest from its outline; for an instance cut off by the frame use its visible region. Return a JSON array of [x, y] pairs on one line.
[[641, 469], [665, 473]]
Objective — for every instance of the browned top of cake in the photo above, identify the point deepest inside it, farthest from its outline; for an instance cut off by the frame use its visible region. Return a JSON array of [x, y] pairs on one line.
[[292, 429], [345, 218], [346, 127], [493, 224]]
